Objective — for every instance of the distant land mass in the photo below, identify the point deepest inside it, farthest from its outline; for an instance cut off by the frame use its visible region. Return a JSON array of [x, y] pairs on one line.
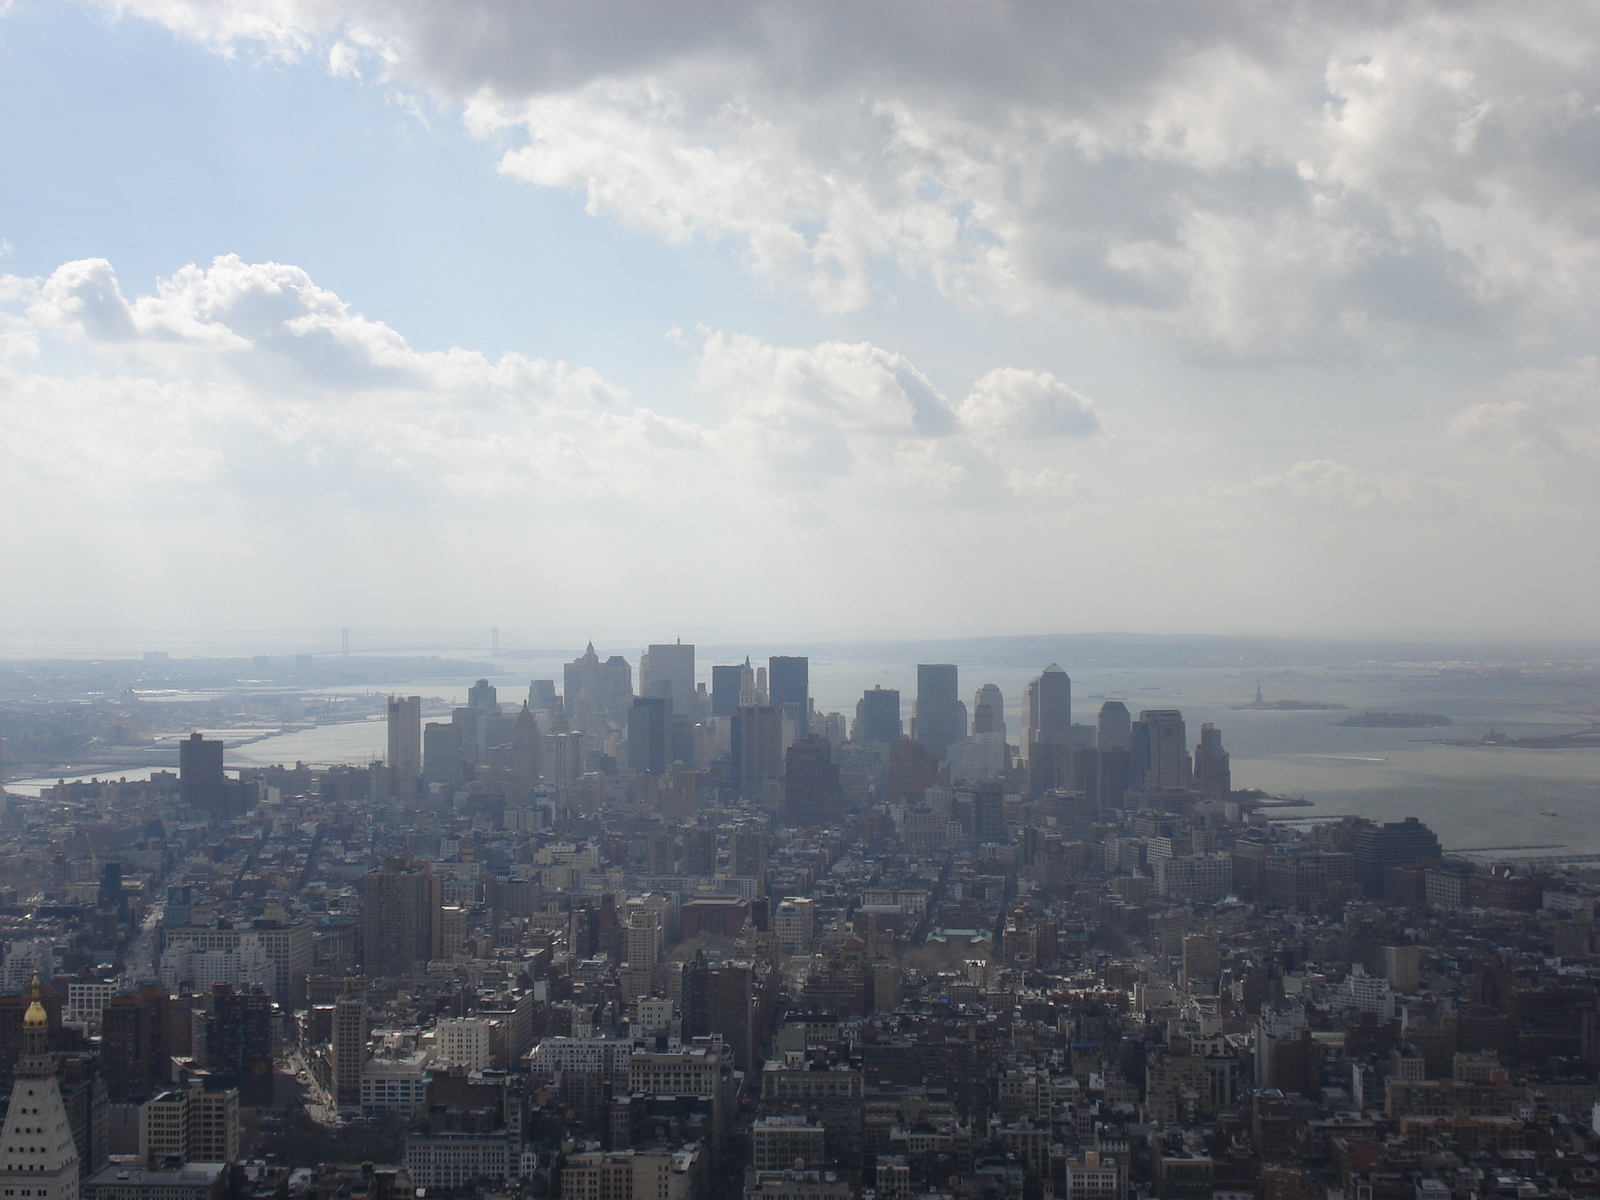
[[1263, 705], [1395, 720]]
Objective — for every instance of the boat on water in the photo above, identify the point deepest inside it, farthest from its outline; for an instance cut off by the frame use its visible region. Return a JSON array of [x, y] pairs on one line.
[[1548, 812]]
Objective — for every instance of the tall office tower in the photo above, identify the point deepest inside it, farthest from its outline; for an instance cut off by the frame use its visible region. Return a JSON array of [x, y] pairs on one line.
[[37, 1146], [239, 1042], [757, 747], [731, 1009], [668, 671], [878, 717], [1115, 766], [404, 759], [484, 697], [748, 695], [1050, 707], [349, 1048], [470, 722], [1211, 773], [699, 852], [988, 813], [726, 683], [812, 794], [605, 687], [642, 938], [761, 686], [1114, 730], [912, 770], [1392, 844], [1169, 751], [649, 734], [201, 781], [542, 696], [940, 718], [789, 689], [1138, 754], [527, 756], [989, 711], [134, 1051], [444, 758], [109, 894], [400, 917]]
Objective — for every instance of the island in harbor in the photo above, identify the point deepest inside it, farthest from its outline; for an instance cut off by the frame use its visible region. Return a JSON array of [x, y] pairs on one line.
[[1395, 720], [1284, 705]]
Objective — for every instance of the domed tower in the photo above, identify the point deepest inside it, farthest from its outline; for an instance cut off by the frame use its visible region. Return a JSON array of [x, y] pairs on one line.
[[38, 1156]]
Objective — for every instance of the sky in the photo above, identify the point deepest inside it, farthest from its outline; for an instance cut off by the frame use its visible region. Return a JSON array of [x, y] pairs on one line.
[[772, 320]]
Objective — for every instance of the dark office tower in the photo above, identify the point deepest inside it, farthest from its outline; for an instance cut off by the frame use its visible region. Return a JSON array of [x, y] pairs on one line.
[[757, 746], [484, 697], [699, 857], [1392, 844], [878, 717], [542, 695], [1050, 707], [1084, 771], [133, 1044], [1138, 754], [989, 711], [110, 892], [1114, 730], [404, 759], [789, 689], [444, 758], [1169, 751], [605, 687], [668, 671], [649, 734], [201, 782], [239, 1042], [400, 917], [1114, 768], [1211, 774], [941, 718], [811, 791], [911, 772], [988, 813], [730, 1009], [725, 684], [527, 754]]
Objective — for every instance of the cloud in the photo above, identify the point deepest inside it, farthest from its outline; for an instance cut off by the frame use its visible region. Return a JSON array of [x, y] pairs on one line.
[[1548, 415], [1334, 487], [1301, 179], [248, 380], [1028, 404]]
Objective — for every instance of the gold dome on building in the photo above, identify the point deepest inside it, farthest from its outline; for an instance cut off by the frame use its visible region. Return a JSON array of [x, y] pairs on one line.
[[35, 1017]]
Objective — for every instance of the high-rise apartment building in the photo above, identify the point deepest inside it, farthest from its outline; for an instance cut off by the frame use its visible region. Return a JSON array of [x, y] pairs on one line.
[[1167, 764], [349, 1045], [201, 781], [789, 689], [941, 718], [757, 747], [400, 913], [404, 758], [989, 711], [667, 671], [878, 717]]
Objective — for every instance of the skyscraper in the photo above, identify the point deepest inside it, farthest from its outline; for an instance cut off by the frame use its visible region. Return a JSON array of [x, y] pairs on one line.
[[989, 711], [37, 1147], [603, 688], [484, 697], [1050, 707], [649, 734], [1114, 730], [941, 717], [878, 717], [201, 781], [400, 917], [349, 1048], [789, 689], [668, 671], [726, 683], [444, 759], [757, 745], [988, 813], [239, 1041], [1211, 773], [404, 759], [1392, 844], [1168, 765], [812, 794], [527, 755]]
